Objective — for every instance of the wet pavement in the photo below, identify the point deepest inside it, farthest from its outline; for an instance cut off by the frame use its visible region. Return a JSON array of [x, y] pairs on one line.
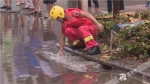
[[29, 56]]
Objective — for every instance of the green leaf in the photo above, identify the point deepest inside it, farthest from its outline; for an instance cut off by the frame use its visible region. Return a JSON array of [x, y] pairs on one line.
[[105, 48], [129, 46]]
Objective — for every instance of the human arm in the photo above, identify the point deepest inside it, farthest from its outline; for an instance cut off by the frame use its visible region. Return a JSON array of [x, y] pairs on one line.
[[90, 17], [62, 43], [81, 14]]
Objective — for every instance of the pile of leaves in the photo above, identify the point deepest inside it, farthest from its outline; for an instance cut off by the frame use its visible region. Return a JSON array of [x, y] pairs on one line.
[[109, 21], [133, 41]]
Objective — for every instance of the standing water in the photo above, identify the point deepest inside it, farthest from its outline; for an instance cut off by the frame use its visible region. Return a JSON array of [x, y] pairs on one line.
[[30, 56]]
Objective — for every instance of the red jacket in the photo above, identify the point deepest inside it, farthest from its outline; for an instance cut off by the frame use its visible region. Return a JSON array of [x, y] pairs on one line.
[[74, 20]]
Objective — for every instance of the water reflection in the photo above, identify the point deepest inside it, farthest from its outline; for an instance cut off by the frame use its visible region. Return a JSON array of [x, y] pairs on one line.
[[23, 65], [7, 46], [25, 61], [35, 42], [49, 38], [49, 76]]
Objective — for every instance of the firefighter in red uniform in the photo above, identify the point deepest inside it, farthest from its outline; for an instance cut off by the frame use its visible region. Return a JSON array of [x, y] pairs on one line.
[[79, 26]]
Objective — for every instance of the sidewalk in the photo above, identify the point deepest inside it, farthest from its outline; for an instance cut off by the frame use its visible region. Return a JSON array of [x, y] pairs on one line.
[[18, 9], [137, 6]]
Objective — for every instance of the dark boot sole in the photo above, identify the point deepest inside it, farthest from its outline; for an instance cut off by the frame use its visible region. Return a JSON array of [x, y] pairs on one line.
[[94, 53]]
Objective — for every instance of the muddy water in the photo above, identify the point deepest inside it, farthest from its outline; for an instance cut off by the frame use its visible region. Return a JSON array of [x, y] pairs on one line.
[[29, 56]]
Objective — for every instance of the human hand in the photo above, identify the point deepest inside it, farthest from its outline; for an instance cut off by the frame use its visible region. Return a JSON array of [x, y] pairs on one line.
[[100, 27], [60, 53]]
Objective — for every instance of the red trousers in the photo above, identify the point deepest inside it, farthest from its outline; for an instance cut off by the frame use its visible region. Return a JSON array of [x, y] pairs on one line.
[[84, 34]]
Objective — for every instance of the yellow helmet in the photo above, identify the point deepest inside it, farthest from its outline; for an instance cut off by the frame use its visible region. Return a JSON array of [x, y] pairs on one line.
[[57, 11]]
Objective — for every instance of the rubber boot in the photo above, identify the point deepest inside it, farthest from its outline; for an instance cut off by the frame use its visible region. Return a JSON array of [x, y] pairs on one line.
[[78, 47], [94, 50]]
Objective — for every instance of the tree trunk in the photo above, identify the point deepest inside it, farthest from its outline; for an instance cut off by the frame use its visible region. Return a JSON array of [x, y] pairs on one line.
[[116, 7]]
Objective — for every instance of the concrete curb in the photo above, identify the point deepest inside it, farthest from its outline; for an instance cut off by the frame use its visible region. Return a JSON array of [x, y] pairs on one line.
[[115, 66]]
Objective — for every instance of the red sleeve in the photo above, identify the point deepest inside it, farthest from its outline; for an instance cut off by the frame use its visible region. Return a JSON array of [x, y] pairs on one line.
[[76, 12]]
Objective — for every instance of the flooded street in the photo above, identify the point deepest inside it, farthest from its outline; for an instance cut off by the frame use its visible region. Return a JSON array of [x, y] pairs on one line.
[[30, 55]]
